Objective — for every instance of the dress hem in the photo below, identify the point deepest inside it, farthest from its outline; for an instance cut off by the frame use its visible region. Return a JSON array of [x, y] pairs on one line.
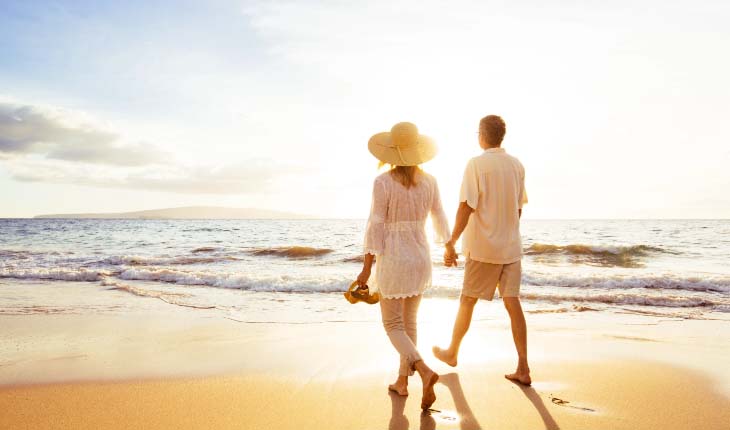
[[400, 296]]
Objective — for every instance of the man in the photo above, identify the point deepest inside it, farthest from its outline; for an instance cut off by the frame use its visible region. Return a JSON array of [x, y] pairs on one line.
[[491, 199]]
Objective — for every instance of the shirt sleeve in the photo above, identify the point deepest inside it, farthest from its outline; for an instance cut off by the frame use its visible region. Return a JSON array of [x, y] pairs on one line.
[[470, 186], [375, 230], [523, 192], [438, 217]]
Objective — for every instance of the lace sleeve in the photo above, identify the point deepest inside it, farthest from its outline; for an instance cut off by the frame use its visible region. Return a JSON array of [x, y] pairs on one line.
[[438, 217], [375, 231]]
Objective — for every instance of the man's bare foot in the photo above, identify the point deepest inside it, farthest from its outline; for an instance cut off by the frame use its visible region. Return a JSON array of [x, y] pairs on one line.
[[429, 396], [445, 356], [520, 376], [400, 386]]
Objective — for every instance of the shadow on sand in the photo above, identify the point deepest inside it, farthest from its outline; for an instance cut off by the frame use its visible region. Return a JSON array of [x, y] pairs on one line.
[[537, 402], [398, 420], [466, 418]]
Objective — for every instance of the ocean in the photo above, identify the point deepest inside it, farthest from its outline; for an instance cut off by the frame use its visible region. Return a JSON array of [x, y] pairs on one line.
[[296, 271]]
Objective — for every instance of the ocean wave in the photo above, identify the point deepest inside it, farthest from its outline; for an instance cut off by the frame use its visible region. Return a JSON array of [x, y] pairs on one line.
[[597, 255], [281, 283], [625, 299], [33, 310], [292, 252], [574, 308], [58, 274], [204, 249], [579, 249], [25, 255], [19, 255], [167, 297], [608, 299], [138, 260], [658, 282], [209, 229]]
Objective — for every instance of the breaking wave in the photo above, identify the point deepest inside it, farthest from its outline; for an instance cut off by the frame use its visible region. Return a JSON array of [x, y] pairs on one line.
[[292, 252], [281, 283], [604, 256], [204, 249], [167, 297], [625, 299], [334, 284], [658, 282], [59, 274], [578, 249], [137, 260]]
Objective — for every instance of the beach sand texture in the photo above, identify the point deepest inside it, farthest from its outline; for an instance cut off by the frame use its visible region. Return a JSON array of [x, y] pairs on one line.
[[176, 368], [597, 395]]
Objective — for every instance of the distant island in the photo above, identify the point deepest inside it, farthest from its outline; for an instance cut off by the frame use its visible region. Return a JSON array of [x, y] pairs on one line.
[[190, 212]]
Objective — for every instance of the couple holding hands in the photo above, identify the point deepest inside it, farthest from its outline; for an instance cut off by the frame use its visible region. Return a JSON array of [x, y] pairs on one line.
[[491, 199]]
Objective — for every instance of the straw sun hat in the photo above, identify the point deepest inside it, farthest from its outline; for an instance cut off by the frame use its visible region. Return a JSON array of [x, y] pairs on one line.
[[402, 146]]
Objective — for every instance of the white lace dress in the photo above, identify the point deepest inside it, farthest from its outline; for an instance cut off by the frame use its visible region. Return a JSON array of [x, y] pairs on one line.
[[396, 234]]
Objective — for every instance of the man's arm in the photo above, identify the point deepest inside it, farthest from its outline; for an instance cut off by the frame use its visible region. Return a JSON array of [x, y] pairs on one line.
[[462, 219]]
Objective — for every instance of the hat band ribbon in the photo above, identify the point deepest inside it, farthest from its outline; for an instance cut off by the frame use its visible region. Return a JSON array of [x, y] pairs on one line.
[[400, 154]]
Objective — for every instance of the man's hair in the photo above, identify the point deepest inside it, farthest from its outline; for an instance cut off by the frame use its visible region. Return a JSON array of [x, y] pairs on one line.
[[493, 128]]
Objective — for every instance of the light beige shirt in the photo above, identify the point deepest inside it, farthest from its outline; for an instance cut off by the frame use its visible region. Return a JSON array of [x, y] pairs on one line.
[[494, 186]]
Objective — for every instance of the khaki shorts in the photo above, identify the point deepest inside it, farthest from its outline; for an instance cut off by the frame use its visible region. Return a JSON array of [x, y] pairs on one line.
[[482, 279]]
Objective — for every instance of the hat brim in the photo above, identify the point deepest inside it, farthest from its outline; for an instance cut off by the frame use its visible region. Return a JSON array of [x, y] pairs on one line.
[[381, 146]]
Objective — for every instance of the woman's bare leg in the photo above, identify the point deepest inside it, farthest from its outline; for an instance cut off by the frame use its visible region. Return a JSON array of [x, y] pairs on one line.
[[429, 379], [410, 319], [393, 312]]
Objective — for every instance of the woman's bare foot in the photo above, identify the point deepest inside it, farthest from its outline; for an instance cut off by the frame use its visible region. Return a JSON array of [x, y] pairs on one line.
[[521, 376], [400, 386], [429, 396], [445, 356]]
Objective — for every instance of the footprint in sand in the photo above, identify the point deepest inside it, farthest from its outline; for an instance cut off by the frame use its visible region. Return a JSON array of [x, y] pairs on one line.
[[446, 416], [565, 403]]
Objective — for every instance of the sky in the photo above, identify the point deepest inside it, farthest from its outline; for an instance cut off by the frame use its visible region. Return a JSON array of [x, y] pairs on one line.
[[616, 109]]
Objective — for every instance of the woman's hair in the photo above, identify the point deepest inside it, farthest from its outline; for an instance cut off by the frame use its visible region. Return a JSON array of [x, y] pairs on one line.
[[406, 175]]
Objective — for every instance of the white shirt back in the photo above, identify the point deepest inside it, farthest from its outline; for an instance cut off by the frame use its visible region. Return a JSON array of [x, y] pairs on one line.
[[494, 186]]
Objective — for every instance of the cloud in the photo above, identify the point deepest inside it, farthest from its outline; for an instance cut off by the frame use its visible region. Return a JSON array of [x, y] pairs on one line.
[[253, 176], [50, 145], [56, 134]]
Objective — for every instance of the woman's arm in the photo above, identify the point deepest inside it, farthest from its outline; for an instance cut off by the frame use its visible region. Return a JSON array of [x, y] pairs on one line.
[[438, 217], [367, 265], [375, 230]]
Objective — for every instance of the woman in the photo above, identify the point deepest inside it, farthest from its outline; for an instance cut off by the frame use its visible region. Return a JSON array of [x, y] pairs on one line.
[[402, 200]]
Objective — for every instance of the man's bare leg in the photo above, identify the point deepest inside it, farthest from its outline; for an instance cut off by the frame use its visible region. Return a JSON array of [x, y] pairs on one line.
[[461, 326], [519, 334]]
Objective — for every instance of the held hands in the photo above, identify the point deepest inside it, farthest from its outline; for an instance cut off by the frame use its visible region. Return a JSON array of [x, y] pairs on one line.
[[450, 255]]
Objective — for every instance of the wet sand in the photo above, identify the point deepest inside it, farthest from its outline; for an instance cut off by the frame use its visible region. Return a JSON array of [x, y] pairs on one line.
[[171, 367], [596, 395]]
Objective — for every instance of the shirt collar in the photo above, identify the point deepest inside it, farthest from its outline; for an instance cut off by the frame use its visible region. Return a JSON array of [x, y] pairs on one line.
[[498, 149]]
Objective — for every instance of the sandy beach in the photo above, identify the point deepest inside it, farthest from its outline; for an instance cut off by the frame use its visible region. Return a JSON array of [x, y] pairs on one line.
[[174, 367], [188, 189]]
